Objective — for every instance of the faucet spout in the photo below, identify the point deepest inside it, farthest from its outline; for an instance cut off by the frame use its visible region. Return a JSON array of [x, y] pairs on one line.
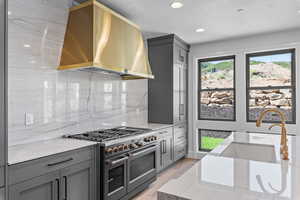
[[283, 142]]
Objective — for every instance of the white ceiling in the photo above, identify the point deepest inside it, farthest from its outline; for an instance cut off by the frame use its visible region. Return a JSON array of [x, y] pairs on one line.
[[220, 18]]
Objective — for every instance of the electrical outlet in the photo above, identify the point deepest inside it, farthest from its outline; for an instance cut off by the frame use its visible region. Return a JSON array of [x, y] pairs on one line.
[[29, 119]]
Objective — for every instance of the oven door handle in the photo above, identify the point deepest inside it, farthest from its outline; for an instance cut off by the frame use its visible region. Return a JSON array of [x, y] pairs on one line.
[[145, 151], [114, 162]]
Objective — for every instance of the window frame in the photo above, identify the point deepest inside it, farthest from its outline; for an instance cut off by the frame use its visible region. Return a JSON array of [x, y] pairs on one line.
[[292, 87], [217, 89], [205, 129]]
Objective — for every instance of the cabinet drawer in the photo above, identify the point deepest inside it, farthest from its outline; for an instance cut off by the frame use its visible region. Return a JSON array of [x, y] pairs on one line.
[[180, 133], [164, 133], [2, 177], [23, 171], [179, 150]]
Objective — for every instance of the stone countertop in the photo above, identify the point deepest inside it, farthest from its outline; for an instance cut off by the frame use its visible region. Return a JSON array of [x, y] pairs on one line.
[[216, 177], [153, 126], [30, 151]]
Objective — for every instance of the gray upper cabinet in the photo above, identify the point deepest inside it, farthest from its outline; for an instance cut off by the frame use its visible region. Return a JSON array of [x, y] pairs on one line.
[[44, 187], [168, 56]]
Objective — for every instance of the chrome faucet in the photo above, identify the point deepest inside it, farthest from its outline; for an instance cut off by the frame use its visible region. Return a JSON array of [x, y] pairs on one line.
[[283, 140]]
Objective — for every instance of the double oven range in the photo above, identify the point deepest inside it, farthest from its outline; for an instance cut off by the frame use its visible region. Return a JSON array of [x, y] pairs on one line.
[[126, 160]]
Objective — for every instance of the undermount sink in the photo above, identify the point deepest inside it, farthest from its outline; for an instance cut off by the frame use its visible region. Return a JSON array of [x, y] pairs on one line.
[[258, 152]]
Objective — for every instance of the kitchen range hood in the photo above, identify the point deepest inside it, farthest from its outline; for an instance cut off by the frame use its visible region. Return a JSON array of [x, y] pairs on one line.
[[99, 39]]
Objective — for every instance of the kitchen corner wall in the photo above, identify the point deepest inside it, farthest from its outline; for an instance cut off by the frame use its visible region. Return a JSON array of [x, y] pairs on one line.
[[60, 102]]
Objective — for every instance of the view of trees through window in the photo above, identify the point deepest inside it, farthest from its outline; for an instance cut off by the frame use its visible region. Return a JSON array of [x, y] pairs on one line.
[[216, 88], [271, 84]]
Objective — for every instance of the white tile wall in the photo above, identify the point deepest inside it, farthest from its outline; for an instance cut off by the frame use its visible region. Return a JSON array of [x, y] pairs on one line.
[[61, 102]]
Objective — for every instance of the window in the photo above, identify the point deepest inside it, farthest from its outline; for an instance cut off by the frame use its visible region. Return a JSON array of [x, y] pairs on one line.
[[216, 100], [210, 139], [271, 84]]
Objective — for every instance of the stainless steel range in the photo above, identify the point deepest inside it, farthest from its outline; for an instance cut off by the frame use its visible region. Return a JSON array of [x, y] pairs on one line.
[[126, 160]]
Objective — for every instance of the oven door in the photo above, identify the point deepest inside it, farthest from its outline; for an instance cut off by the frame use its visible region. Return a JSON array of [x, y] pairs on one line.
[[115, 178], [141, 167]]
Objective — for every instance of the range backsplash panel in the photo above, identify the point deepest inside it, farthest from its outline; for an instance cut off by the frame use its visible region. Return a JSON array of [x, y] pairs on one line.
[[60, 102]]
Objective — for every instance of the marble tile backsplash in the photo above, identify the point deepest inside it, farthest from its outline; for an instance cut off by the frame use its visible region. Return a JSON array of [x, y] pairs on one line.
[[61, 102]]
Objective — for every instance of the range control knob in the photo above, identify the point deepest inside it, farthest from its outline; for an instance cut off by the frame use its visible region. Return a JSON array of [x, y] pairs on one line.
[[139, 144], [126, 146], [109, 150], [121, 147], [115, 149], [133, 146], [147, 139]]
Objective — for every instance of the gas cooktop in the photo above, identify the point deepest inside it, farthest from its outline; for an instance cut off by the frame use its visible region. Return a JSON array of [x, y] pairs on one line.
[[110, 134]]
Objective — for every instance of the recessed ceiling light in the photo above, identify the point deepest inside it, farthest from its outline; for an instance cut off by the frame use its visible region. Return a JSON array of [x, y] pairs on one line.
[[8, 12], [27, 45], [200, 30], [176, 4], [298, 11]]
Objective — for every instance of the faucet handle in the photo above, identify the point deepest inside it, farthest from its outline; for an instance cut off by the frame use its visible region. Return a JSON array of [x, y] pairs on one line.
[[273, 125]]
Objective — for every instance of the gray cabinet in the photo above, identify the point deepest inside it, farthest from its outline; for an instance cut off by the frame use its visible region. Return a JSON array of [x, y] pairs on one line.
[[165, 148], [44, 187], [78, 182], [180, 141], [2, 194], [168, 57], [66, 176], [3, 96]]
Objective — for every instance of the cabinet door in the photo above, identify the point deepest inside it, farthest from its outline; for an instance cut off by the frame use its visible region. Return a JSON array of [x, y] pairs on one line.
[[183, 93], [2, 84], [159, 157], [78, 182], [2, 194], [176, 93], [168, 150], [44, 187]]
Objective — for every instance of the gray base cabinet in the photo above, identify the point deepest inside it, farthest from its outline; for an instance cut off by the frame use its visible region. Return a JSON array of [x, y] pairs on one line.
[[77, 182], [165, 154], [66, 176], [172, 145], [44, 187]]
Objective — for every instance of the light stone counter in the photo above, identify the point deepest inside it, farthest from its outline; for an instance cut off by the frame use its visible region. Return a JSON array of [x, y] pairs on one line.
[[225, 178], [30, 151], [35, 150]]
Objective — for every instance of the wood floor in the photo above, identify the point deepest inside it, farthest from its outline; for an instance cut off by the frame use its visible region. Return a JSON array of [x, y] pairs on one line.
[[173, 172]]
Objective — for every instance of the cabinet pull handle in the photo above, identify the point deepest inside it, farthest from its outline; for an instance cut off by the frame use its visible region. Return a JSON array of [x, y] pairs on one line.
[[58, 186], [60, 162], [114, 162], [181, 109], [163, 132], [66, 187]]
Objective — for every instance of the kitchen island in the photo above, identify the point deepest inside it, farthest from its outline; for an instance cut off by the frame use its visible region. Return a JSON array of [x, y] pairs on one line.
[[245, 166]]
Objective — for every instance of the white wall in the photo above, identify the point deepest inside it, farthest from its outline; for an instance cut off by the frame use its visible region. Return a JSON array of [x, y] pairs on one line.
[[238, 47]]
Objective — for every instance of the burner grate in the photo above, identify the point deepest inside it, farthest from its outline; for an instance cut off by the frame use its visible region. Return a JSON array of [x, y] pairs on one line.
[[109, 134]]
